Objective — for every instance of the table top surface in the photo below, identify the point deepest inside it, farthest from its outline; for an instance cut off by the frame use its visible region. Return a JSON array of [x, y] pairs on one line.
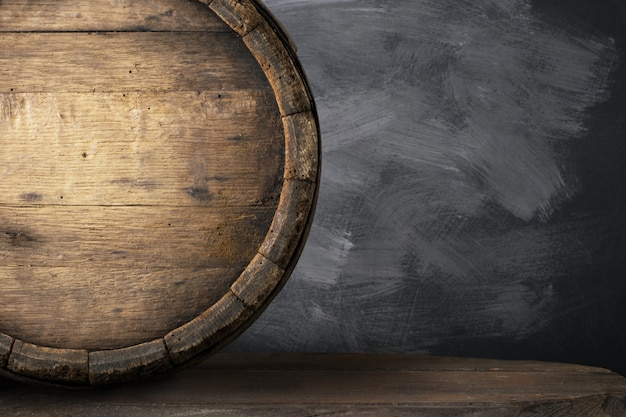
[[231, 384]]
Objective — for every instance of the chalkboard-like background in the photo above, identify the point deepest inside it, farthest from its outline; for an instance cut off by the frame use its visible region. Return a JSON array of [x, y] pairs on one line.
[[474, 173]]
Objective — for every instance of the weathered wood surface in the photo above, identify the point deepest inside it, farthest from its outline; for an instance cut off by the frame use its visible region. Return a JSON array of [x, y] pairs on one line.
[[152, 156], [342, 385], [117, 15]]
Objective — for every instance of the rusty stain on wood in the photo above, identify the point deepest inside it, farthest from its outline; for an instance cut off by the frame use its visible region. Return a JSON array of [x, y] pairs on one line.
[[150, 156]]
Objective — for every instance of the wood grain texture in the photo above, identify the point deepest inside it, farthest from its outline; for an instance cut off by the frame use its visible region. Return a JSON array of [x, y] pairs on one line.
[[290, 222], [301, 160], [257, 282], [63, 366], [125, 62], [344, 385], [134, 362], [103, 15], [149, 153], [280, 69], [193, 338], [109, 307], [241, 16], [141, 148], [6, 344], [130, 235], [265, 43]]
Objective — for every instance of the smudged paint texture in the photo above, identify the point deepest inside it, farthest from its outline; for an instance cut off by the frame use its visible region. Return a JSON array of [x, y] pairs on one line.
[[472, 193]]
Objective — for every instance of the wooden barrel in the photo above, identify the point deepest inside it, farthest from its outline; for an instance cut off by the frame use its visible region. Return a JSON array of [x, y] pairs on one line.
[[159, 168]]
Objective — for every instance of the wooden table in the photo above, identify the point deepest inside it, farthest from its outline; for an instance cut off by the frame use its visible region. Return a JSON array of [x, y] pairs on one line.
[[232, 384]]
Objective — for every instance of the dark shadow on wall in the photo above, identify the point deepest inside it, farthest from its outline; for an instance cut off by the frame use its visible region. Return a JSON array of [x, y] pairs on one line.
[[589, 324]]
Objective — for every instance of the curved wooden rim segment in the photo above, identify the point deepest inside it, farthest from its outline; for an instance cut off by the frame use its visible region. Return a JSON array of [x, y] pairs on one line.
[[265, 274]]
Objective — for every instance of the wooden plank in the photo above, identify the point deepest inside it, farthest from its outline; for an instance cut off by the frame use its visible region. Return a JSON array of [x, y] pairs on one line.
[[6, 344], [124, 62], [241, 16], [37, 408], [253, 384], [172, 148], [106, 15], [207, 332], [128, 364], [302, 147], [299, 386], [285, 361], [106, 277], [105, 308], [258, 281], [271, 48], [282, 71], [126, 236], [43, 363], [290, 222]]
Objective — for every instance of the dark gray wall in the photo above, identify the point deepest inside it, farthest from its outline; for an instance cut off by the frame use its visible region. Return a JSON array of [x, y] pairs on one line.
[[472, 199]]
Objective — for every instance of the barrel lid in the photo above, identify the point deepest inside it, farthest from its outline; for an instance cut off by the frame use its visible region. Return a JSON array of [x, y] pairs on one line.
[[160, 166]]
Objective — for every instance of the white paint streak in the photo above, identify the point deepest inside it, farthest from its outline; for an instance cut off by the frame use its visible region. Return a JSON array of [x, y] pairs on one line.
[[325, 267], [444, 124]]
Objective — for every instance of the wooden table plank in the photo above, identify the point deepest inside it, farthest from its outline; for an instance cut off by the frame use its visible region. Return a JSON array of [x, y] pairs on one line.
[[341, 384]]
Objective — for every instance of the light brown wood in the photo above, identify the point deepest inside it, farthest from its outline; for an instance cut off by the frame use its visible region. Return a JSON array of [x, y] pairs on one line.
[[106, 15], [253, 384], [125, 62], [150, 149], [160, 165], [139, 305]]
